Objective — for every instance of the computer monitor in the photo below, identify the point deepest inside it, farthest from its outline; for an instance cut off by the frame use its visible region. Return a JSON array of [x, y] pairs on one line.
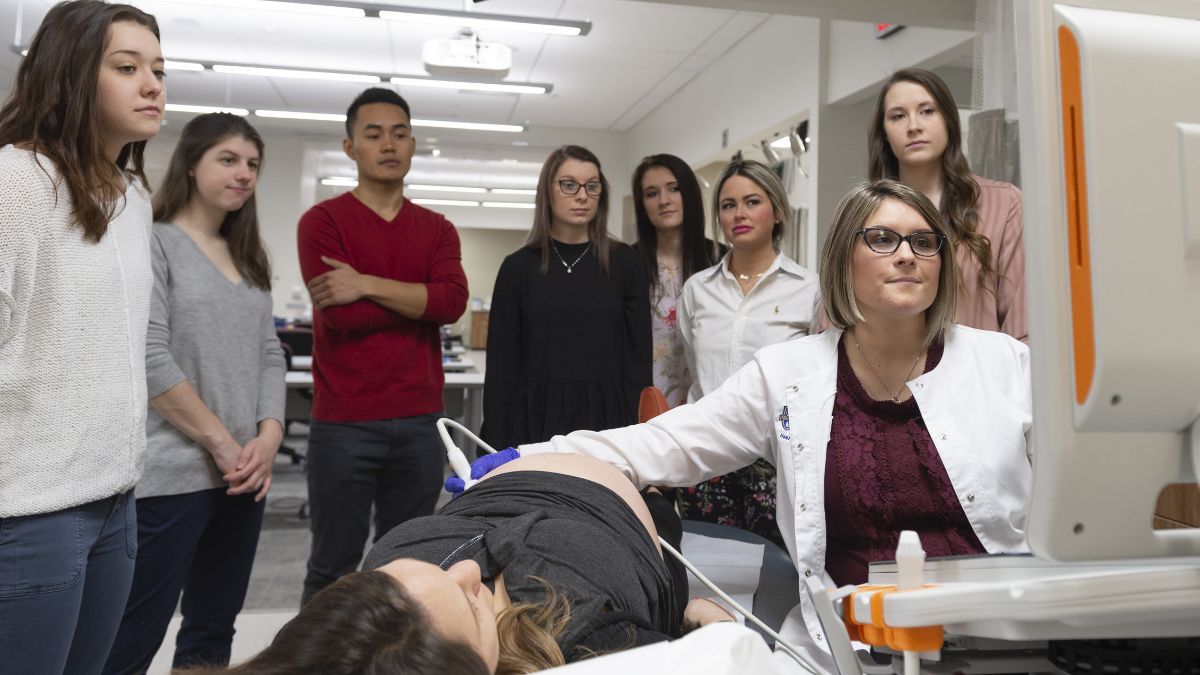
[[1109, 102]]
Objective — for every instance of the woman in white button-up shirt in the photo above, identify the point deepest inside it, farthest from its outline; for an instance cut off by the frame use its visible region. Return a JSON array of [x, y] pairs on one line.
[[754, 297], [892, 294]]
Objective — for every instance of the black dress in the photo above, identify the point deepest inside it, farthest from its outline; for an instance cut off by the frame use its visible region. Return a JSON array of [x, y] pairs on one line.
[[566, 351]]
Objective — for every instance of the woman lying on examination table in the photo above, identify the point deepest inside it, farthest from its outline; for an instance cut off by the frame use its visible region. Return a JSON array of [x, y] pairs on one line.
[[550, 560], [894, 419]]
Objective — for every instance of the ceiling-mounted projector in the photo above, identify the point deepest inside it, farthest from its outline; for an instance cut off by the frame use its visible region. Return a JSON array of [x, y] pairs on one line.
[[466, 56]]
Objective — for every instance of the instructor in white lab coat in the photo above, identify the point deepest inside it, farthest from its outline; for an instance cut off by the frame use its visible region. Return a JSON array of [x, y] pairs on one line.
[[894, 419]]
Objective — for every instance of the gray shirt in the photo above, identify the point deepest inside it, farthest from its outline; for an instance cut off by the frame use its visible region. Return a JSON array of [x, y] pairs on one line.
[[220, 337]]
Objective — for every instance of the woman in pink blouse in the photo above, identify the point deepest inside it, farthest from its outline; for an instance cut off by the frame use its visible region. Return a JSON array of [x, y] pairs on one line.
[[670, 226], [915, 137]]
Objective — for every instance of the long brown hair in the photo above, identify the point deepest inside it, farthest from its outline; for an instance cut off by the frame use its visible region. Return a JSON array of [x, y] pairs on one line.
[[699, 252], [240, 228], [53, 108], [543, 207], [362, 623], [960, 192]]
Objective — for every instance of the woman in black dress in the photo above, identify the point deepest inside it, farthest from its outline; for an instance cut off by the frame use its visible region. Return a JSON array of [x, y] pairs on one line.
[[569, 332]]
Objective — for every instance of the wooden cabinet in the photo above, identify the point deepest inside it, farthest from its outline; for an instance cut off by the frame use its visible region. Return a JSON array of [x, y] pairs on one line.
[[479, 330], [1178, 506]]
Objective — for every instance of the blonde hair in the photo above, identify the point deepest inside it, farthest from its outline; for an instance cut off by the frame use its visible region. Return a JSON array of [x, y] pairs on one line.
[[837, 267], [765, 178], [528, 633]]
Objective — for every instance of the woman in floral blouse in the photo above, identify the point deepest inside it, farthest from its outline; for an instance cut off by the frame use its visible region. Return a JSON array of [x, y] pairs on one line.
[[670, 226]]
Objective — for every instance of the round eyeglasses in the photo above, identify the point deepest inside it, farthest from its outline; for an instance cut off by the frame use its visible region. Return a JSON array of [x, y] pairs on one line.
[[883, 240], [571, 187]]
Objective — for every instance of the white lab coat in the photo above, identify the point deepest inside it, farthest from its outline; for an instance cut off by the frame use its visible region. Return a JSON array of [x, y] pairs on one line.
[[976, 404]]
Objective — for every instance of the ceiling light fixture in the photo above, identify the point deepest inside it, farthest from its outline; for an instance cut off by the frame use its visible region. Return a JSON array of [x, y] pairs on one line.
[[513, 191], [509, 205], [469, 126], [340, 181], [443, 124], [368, 78], [528, 24], [467, 85], [298, 74], [458, 19], [294, 115], [202, 109], [279, 6], [183, 65], [446, 188], [444, 202]]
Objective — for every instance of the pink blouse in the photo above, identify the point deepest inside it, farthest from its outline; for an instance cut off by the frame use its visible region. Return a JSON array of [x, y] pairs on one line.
[[1000, 305]]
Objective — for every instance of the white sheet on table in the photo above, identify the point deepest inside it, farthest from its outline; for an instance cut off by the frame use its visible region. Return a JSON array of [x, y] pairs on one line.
[[734, 566], [716, 649]]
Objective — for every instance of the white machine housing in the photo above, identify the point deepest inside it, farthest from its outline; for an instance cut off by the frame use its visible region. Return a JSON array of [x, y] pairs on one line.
[[1112, 240]]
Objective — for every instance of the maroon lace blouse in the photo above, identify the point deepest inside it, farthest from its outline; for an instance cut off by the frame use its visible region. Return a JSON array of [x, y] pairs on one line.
[[883, 475]]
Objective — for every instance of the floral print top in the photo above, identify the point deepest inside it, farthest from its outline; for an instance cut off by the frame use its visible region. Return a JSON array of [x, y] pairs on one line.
[[671, 374]]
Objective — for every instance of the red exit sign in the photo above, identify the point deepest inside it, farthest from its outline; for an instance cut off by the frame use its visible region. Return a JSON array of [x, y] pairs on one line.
[[883, 30]]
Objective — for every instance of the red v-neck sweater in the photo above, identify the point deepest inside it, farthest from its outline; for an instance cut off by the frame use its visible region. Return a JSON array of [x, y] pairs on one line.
[[370, 363]]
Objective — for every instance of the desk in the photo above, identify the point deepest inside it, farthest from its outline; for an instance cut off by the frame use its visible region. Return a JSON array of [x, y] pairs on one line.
[[457, 362], [468, 385]]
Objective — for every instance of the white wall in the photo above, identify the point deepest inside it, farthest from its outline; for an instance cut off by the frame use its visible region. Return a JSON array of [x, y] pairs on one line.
[[858, 61], [767, 77]]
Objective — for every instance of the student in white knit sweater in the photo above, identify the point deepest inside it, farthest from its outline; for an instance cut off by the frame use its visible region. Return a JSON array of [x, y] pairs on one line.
[[75, 281], [214, 371]]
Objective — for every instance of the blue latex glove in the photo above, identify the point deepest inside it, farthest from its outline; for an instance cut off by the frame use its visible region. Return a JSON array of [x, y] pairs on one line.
[[481, 467]]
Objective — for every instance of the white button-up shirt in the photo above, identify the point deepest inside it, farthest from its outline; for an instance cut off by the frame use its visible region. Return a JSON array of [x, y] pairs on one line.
[[976, 404], [721, 328]]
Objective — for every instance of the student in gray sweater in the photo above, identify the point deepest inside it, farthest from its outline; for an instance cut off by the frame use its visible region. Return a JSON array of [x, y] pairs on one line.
[[215, 376]]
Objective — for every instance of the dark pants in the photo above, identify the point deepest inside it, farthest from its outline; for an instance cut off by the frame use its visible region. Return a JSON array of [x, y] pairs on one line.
[[395, 464], [670, 528], [200, 543], [64, 577]]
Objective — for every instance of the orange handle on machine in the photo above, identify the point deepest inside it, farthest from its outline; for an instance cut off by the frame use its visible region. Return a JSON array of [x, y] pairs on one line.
[[874, 631]]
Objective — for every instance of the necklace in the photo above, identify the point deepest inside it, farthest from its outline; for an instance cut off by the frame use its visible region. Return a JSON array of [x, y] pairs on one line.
[[745, 277], [895, 397], [573, 263]]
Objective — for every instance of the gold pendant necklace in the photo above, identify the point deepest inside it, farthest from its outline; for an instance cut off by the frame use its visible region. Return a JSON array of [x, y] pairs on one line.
[[894, 397]]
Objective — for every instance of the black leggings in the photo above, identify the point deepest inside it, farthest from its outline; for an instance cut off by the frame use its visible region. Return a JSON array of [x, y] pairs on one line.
[[670, 528]]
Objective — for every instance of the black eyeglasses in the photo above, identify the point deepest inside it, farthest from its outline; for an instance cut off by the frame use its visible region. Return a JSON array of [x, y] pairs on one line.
[[883, 240], [571, 187]]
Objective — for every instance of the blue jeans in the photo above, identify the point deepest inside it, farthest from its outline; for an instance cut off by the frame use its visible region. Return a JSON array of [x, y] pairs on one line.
[[64, 577], [201, 543], [395, 464]]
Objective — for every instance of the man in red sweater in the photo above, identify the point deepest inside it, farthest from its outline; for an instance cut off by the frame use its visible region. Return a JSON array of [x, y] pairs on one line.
[[384, 274]]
